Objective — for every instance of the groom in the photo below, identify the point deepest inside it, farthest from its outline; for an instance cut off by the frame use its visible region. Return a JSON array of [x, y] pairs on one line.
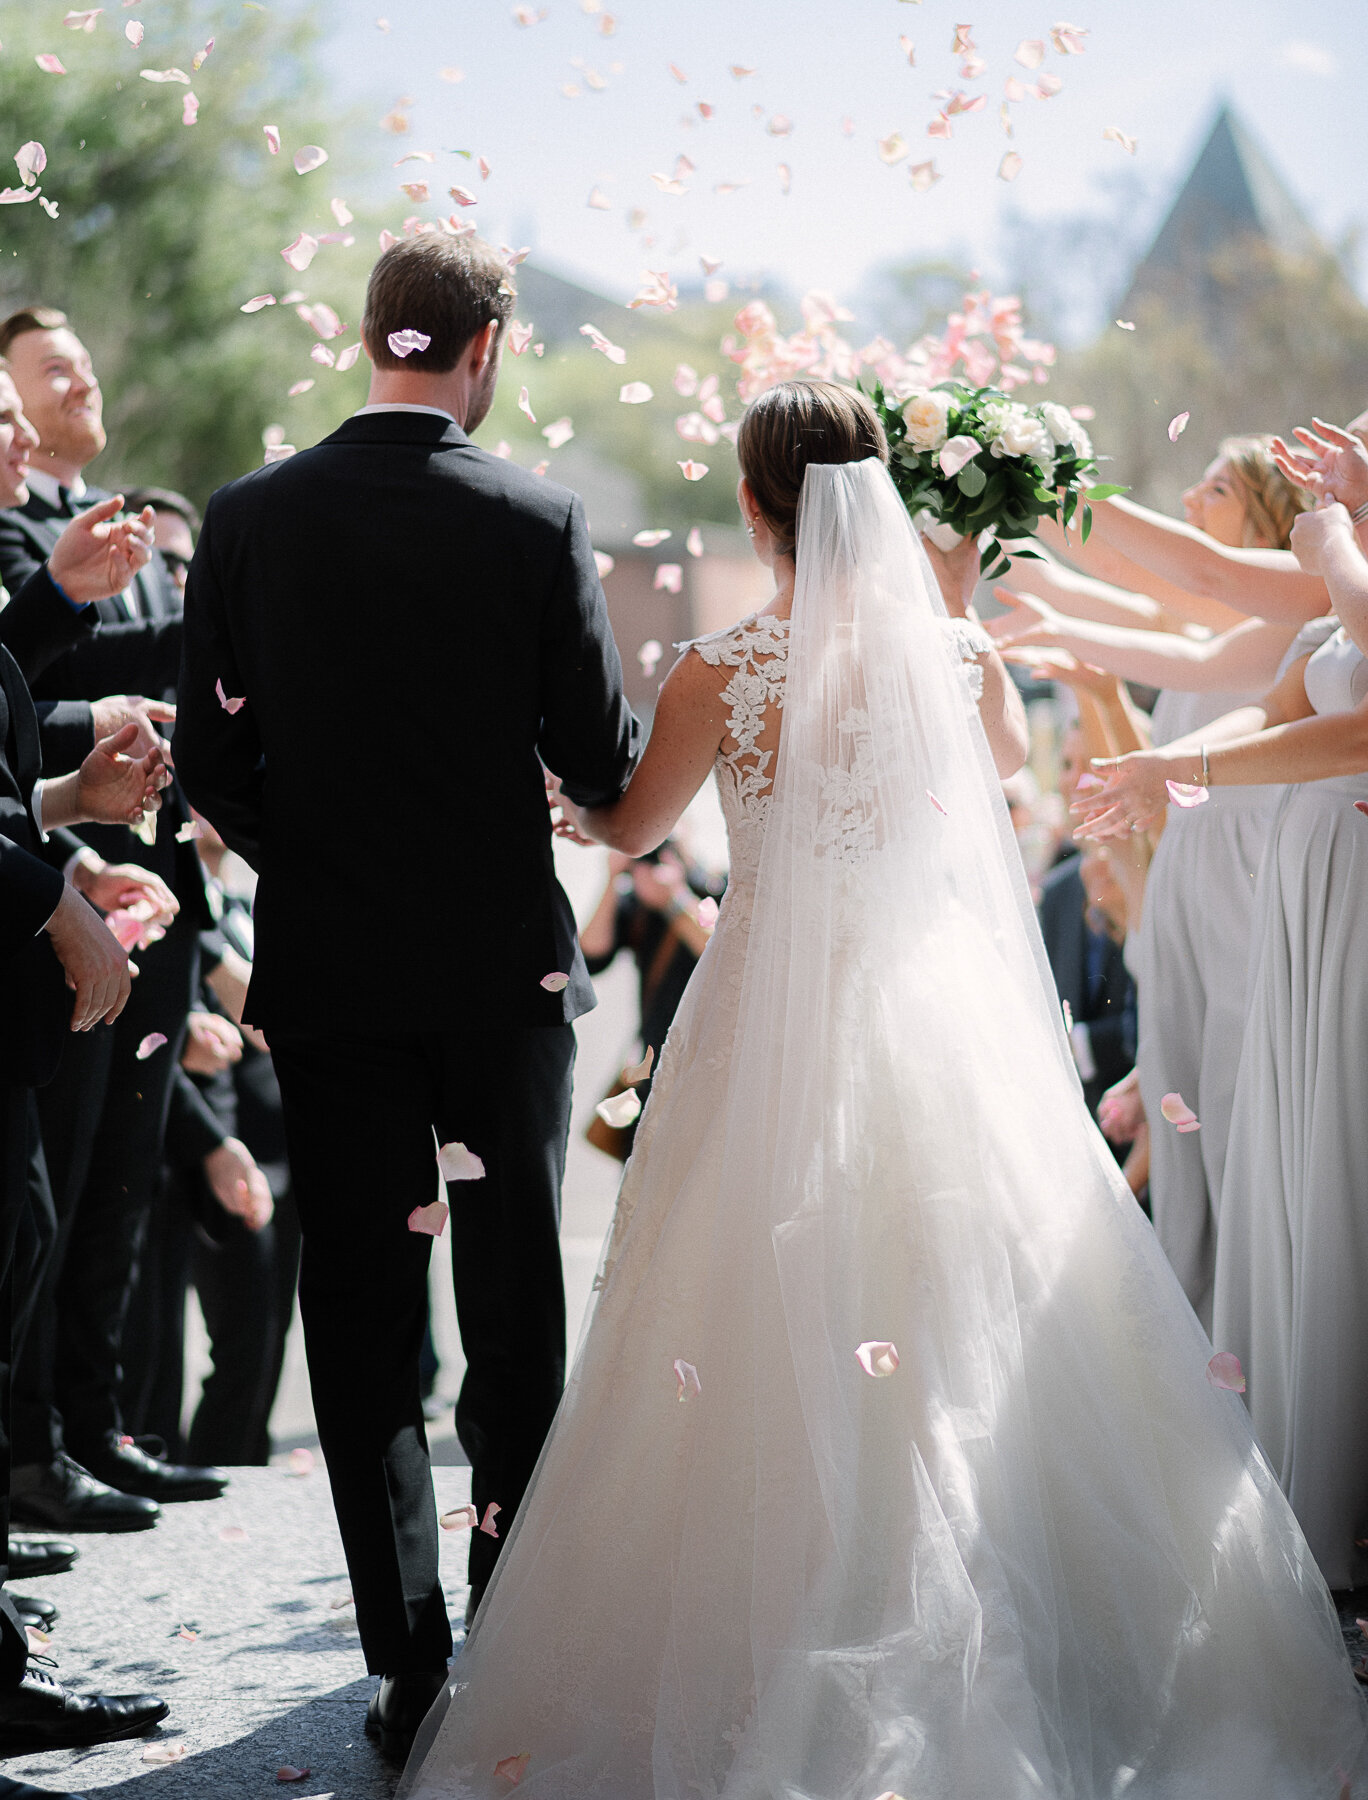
[[385, 638]]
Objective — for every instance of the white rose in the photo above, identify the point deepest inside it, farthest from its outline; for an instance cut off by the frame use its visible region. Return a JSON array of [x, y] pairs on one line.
[[1024, 436], [926, 417], [1082, 443], [1059, 421]]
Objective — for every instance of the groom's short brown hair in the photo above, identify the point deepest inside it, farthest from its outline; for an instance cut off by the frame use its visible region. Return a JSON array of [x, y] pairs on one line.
[[446, 288]]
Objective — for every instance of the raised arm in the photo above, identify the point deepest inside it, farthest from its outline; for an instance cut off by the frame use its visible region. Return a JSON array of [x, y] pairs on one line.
[[1001, 711], [1172, 605], [1324, 542]]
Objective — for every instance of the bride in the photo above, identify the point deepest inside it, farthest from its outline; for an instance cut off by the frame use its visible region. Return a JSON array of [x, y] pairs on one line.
[[889, 1463]]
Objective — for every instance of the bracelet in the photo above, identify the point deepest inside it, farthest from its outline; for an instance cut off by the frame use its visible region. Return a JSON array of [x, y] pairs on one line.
[[1206, 769], [1360, 514]]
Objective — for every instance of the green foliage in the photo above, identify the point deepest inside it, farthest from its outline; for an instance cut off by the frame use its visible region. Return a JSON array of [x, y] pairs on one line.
[[164, 229]]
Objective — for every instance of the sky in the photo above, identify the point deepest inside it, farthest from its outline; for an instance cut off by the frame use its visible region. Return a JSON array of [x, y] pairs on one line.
[[836, 73]]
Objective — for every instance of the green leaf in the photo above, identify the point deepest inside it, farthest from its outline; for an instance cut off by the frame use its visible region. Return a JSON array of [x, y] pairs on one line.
[[1105, 492], [971, 479], [1087, 523]]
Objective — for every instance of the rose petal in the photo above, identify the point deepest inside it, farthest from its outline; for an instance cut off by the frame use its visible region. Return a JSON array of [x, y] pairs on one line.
[[1047, 87], [1030, 53], [877, 1358], [150, 1044], [636, 1072], [936, 803], [513, 1768], [133, 31], [301, 252], [635, 393], [188, 832], [694, 542], [300, 387], [301, 1460], [256, 303], [164, 75], [429, 1221], [599, 200], [38, 1640], [554, 982], [233, 1534], [1126, 324], [1114, 134], [923, 176], [558, 432], [30, 159], [272, 139], [309, 158], [619, 1110], [163, 1752], [1177, 1111], [456, 1163], [1177, 426], [686, 1376], [893, 148], [82, 21], [1010, 167], [614, 352], [649, 656], [1225, 1371], [198, 60], [1068, 39], [604, 563], [288, 1772], [956, 453], [1185, 794], [708, 910], [739, 72], [647, 540], [229, 706], [16, 196], [525, 406], [487, 1522], [187, 1635], [464, 1518], [693, 471], [50, 65], [668, 579]]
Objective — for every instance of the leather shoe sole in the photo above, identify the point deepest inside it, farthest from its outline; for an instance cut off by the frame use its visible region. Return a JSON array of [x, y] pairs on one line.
[[80, 1730]]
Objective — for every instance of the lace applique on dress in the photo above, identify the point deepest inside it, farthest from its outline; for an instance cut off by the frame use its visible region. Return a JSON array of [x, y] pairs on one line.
[[968, 640]]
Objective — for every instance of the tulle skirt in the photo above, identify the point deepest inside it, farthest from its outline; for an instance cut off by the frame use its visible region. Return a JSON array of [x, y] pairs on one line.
[[1042, 1558]]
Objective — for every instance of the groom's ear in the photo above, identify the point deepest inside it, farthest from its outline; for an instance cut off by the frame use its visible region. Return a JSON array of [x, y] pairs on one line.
[[484, 346]]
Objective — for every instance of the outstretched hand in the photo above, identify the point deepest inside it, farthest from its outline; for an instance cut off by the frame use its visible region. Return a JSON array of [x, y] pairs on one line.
[[1132, 797], [1333, 464], [1028, 620], [111, 714], [98, 554], [116, 788]]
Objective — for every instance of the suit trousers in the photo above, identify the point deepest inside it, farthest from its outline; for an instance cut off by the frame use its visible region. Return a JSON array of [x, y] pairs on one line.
[[360, 1113], [104, 1121]]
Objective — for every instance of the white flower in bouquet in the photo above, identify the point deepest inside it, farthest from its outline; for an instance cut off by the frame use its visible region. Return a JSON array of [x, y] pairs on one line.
[[1059, 421], [926, 417], [1017, 432], [1082, 443]]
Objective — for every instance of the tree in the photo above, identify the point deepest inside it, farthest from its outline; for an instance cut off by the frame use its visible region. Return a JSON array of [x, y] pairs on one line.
[[164, 229]]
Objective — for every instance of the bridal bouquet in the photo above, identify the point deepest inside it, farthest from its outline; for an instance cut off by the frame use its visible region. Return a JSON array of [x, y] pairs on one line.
[[972, 459]]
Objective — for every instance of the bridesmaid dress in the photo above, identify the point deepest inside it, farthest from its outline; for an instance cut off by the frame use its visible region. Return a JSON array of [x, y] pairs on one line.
[[1292, 1258]]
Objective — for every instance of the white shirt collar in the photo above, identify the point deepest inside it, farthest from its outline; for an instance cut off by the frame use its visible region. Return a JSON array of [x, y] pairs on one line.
[[47, 487], [384, 406]]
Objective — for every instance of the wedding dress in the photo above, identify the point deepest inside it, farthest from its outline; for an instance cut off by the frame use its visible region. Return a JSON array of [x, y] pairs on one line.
[[1041, 1557]]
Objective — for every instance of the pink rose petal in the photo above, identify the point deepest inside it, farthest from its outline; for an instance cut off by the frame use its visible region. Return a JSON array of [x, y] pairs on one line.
[[1186, 794], [956, 453], [198, 60], [30, 160], [1068, 39], [487, 1525], [348, 358], [1126, 324], [923, 176], [301, 1461], [893, 148], [429, 1221], [1225, 1371], [620, 1110], [272, 139], [404, 343], [165, 75], [558, 432], [614, 352], [513, 1768], [688, 1386], [301, 252], [694, 542], [164, 1753], [342, 1601], [464, 1518], [693, 471], [525, 406], [554, 982], [229, 706], [1048, 86], [456, 1163], [669, 579], [16, 196], [190, 109], [649, 656], [82, 21], [188, 832], [1114, 135], [133, 31], [604, 563], [187, 1635], [1010, 167], [1177, 426], [150, 1044], [288, 1772], [877, 1358], [300, 387], [635, 1072], [598, 200], [1177, 1111], [233, 1534], [256, 303], [647, 540], [708, 910], [635, 393], [1030, 53], [936, 803]]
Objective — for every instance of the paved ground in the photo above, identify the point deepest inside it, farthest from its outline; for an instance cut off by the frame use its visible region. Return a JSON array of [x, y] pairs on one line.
[[275, 1675]]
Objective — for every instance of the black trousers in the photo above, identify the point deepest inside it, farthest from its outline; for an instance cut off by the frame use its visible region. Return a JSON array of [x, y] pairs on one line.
[[103, 1122], [360, 1112]]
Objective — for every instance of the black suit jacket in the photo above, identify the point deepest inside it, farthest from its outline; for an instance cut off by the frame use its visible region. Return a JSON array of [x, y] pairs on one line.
[[1109, 1012], [71, 656], [412, 624], [34, 1005]]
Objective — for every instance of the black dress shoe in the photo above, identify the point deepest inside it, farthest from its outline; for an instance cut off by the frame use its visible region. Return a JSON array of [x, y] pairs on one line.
[[65, 1497], [398, 1707], [41, 1614], [119, 1462], [30, 1561], [41, 1714]]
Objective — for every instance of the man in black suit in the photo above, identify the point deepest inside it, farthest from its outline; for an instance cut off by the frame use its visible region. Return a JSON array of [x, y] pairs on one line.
[[104, 1115], [385, 637], [1089, 966]]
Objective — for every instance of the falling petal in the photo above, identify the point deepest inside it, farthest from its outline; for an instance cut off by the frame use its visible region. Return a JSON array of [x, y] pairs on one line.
[[519, 337], [525, 406], [936, 803], [233, 1534], [893, 148], [456, 1163], [678, 74], [487, 1522], [604, 563], [1225, 1371], [300, 387], [288, 1772], [165, 1753], [599, 200], [150, 1044], [1010, 167], [482, 165], [163, 75], [513, 1768], [82, 21], [50, 65], [1068, 39], [649, 656], [1185, 794], [939, 127], [909, 50], [198, 60], [341, 211], [669, 579], [229, 706], [463, 1518], [404, 343], [463, 196], [526, 15], [190, 109], [429, 1221], [1048, 86], [694, 542], [877, 1358], [272, 139], [559, 432], [924, 176], [188, 832], [686, 1375], [1177, 1111], [1030, 53], [636, 1072], [1177, 426], [133, 31], [635, 393], [301, 252], [38, 1640], [647, 540], [1126, 324], [739, 72], [1114, 134], [187, 1635], [619, 1110], [554, 982], [301, 1461], [311, 157], [693, 471], [30, 159], [451, 74]]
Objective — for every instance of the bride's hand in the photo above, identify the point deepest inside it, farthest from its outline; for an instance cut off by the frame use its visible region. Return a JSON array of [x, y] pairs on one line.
[[569, 824], [1132, 798], [957, 573]]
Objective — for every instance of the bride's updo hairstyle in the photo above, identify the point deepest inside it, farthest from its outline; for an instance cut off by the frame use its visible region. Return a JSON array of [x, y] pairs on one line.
[[794, 424]]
